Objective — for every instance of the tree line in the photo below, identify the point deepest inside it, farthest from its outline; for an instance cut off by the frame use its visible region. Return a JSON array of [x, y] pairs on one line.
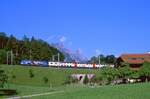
[[108, 59], [26, 48], [124, 74]]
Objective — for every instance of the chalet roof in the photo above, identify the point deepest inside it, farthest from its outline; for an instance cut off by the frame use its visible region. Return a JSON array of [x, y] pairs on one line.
[[135, 58]]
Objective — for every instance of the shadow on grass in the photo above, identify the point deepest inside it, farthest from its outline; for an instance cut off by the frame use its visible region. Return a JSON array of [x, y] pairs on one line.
[[8, 92]]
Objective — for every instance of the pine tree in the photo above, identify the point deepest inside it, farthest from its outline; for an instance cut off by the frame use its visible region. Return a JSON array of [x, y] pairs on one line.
[[86, 80]]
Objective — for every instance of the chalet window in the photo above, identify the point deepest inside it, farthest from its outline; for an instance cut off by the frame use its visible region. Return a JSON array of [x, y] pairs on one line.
[[132, 58], [136, 58], [140, 58]]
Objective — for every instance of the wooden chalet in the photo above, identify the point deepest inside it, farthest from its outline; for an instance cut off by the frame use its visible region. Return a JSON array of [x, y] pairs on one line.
[[134, 60]]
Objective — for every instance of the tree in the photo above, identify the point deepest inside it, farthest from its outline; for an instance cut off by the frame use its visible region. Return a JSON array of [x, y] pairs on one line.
[[125, 71], [109, 74], [94, 59], [3, 78], [135, 75], [26, 48], [12, 45], [102, 59], [110, 59], [145, 71], [86, 80], [34, 49], [3, 40], [3, 54]]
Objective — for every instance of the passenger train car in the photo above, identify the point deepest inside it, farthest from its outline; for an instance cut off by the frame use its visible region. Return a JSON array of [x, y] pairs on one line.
[[73, 65], [60, 64]]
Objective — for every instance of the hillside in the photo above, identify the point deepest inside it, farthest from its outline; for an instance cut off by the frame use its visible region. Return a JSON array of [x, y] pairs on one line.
[[19, 79], [26, 48], [20, 74], [130, 91]]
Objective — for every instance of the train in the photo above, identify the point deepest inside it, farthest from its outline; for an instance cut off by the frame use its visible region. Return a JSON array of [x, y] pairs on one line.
[[34, 63], [60, 64], [73, 65]]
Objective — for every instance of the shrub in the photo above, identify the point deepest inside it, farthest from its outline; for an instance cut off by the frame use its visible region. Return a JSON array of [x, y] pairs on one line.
[[145, 71], [97, 80], [45, 79], [31, 74], [3, 78], [70, 80], [86, 80], [13, 76]]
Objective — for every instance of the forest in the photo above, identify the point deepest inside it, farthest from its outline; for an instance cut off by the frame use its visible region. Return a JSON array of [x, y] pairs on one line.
[[25, 49]]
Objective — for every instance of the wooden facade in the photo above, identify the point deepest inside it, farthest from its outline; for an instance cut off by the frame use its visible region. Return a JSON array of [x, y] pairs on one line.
[[134, 60]]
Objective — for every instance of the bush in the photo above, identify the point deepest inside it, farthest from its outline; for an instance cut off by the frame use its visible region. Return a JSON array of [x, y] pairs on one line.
[[31, 74], [97, 80], [86, 80], [70, 80], [109, 74], [13, 76], [145, 71], [45, 79], [3, 78]]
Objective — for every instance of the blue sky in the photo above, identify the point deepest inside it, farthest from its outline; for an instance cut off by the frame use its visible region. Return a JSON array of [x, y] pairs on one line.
[[91, 26]]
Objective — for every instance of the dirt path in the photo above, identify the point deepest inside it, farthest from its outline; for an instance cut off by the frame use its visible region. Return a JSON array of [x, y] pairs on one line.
[[35, 95]]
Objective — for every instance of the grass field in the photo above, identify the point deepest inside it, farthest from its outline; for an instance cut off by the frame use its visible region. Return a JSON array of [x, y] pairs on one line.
[[130, 91], [27, 90], [135, 91], [29, 86], [56, 76]]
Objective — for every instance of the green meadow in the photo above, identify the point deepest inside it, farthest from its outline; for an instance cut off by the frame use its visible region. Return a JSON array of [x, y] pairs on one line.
[[56, 76], [19, 79], [133, 91], [130, 91]]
